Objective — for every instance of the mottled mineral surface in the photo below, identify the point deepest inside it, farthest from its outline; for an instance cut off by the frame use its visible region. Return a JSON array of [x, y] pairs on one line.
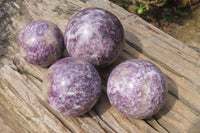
[[137, 88], [41, 43], [72, 86], [96, 35]]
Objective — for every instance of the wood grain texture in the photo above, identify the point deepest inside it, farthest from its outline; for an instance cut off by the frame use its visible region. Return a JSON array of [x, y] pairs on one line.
[[23, 107]]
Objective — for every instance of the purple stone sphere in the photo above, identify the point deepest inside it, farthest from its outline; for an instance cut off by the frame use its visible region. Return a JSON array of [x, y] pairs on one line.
[[137, 88], [96, 35], [41, 43], [72, 86]]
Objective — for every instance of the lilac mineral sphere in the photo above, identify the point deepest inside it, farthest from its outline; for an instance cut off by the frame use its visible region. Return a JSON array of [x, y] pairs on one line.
[[41, 43], [137, 89], [72, 86], [95, 35]]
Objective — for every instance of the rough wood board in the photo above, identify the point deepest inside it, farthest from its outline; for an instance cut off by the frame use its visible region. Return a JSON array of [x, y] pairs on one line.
[[23, 108]]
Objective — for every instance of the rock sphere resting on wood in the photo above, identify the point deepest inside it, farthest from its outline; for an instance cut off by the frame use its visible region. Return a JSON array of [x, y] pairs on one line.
[[137, 89], [96, 35], [72, 86], [41, 43]]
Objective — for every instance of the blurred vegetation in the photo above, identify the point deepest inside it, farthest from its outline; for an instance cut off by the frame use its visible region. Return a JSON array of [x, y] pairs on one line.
[[157, 12], [178, 18]]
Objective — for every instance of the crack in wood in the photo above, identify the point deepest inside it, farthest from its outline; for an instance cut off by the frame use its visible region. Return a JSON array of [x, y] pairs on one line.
[[134, 46], [151, 125], [160, 124], [54, 114], [101, 122]]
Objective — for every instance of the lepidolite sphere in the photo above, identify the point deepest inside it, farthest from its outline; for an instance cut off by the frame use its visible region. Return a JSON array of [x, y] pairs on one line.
[[96, 35], [41, 43], [137, 88], [72, 86]]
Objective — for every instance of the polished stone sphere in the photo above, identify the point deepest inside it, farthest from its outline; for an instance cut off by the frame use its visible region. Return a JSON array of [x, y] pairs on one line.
[[41, 43], [137, 88], [96, 35]]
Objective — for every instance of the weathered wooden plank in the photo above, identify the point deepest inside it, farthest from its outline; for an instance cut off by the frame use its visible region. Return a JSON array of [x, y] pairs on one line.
[[14, 15], [112, 118], [171, 107], [179, 86], [23, 105], [23, 108], [4, 128], [180, 63], [177, 117], [103, 121], [145, 34], [7, 122], [27, 70], [35, 108]]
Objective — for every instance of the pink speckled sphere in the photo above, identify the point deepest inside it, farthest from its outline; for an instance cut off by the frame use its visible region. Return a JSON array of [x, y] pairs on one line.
[[96, 35], [137, 88], [41, 43], [72, 86]]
